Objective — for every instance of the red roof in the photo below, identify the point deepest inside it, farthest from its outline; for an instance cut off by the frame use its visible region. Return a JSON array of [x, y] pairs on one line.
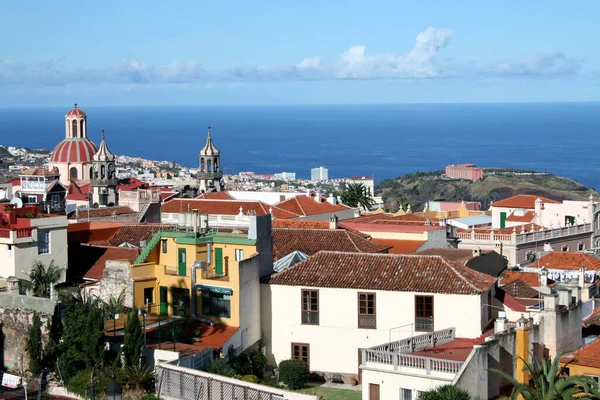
[[529, 278], [74, 150], [588, 356], [216, 196], [522, 201], [300, 223], [111, 254], [392, 227], [212, 336], [101, 212], [400, 246], [457, 350], [382, 218], [460, 256], [224, 207], [404, 273], [526, 217], [305, 206], [167, 195], [16, 180], [75, 112], [568, 261], [78, 193], [131, 184], [311, 241]]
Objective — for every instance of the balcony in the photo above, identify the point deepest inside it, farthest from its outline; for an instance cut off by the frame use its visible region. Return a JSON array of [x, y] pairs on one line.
[[310, 317], [209, 175], [396, 357], [518, 237], [16, 236], [366, 321], [424, 324], [104, 182]]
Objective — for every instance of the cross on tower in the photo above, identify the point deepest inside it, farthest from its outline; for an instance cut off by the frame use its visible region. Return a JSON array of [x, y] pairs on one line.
[[102, 133]]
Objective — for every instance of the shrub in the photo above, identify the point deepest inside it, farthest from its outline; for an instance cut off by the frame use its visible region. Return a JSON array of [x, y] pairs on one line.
[[133, 340], [149, 396], [259, 362], [35, 345], [79, 384], [250, 378], [271, 382], [316, 378], [220, 367], [293, 373]]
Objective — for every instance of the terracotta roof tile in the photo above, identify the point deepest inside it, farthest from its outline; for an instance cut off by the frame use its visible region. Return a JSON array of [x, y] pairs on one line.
[[300, 223], [216, 196], [522, 201], [311, 241], [102, 212], [588, 355], [128, 184], [111, 254], [526, 217], [408, 219], [305, 206], [569, 261], [133, 234], [593, 319], [405, 273], [528, 278], [391, 227], [224, 207], [400, 246], [460, 256], [520, 290]]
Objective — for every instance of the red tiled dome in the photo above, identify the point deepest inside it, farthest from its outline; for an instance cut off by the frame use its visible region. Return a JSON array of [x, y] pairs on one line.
[[74, 150], [75, 112]]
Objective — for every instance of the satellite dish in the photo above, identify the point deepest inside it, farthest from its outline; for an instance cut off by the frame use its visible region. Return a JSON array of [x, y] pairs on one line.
[[17, 202]]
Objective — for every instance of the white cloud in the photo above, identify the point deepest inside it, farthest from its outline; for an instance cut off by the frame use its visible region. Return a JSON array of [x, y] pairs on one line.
[[538, 65], [423, 60]]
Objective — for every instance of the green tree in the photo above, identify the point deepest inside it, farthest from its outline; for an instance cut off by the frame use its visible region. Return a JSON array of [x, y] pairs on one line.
[[115, 305], [71, 359], [445, 392], [549, 382], [134, 338], [55, 334], [42, 278], [294, 373], [94, 346], [355, 195], [35, 345], [138, 377], [400, 203]]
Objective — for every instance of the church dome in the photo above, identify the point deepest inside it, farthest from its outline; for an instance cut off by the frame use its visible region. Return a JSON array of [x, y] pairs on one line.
[[104, 153], [209, 148], [74, 150], [75, 112]]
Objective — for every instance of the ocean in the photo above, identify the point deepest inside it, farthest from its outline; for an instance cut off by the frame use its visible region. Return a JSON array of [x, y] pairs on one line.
[[351, 140]]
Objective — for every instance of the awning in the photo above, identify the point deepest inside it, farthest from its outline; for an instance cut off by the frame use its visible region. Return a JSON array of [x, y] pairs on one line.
[[214, 289]]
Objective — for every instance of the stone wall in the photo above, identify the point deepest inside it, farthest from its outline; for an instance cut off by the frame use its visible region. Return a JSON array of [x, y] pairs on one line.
[[116, 278], [16, 317]]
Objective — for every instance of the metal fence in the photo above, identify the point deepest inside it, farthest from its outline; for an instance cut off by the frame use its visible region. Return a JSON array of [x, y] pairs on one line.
[[175, 382]]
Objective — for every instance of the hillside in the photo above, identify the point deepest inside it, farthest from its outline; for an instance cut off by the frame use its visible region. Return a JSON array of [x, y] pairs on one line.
[[418, 188]]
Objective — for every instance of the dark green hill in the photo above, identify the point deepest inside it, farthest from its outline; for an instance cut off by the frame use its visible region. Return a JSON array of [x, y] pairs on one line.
[[498, 184]]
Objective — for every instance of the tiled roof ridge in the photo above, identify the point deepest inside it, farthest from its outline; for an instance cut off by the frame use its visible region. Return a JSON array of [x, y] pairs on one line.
[[352, 240], [299, 205], [453, 268]]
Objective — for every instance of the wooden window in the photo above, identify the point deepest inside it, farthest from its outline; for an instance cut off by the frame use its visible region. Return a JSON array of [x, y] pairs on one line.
[[310, 307], [424, 313], [148, 295], [216, 304], [239, 254], [367, 318], [43, 242], [164, 246], [301, 351]]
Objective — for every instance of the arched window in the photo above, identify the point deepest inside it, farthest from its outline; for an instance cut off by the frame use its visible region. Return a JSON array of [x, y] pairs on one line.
[[73, 174], [202, 165], [81, 128], [91, 172], [565, 248], [74, 128], [580, 246], [208, 165], [216, 167], [529, 255], [102, 172]]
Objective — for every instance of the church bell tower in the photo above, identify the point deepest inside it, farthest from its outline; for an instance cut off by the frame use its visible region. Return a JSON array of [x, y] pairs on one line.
[[104, 181], [209, 175]]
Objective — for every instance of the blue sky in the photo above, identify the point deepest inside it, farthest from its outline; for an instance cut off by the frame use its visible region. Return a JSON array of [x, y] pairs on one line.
[[297, 52]]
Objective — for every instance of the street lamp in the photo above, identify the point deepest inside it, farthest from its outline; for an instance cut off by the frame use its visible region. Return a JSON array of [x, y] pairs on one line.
[[114, 391], [142, 313]]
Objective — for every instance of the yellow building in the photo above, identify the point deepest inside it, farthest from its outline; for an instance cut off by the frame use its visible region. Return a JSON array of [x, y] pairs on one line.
[[209, 276], [584, 361]]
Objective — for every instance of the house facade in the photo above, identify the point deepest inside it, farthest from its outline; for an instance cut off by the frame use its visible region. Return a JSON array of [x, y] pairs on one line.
[[357, 301]]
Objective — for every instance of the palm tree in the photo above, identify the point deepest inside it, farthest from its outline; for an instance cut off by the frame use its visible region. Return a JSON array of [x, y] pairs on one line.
[[445, 392], [355, 195], [400, 203], [43, 278], [549, 382]]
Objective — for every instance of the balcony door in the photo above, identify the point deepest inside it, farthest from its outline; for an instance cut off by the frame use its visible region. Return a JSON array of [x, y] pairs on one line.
[[181, 262], [164, 303], [373, 391]]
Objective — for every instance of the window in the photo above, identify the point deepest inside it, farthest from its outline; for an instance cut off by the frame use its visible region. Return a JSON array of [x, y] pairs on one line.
[[148, 295], [239, 254], [367, 318], [164, 245], [73, 174], [32, 199], [580, 246], [74, 128], [301, 351], [216, 304], [43, 242], [565, 248], [569, 220], [310, 307], [424, 313], [55, 200], [405, 394]]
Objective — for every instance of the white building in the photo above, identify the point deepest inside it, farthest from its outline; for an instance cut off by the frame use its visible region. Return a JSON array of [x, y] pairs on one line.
[[367, 181], [319, 174], [330, 306], [28, 237], [286, 176]]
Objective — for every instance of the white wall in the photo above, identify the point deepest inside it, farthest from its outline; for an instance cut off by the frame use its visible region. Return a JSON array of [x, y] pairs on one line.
[[390, 384], [555, 213], [249, 301], [334, 343], [267, 197]]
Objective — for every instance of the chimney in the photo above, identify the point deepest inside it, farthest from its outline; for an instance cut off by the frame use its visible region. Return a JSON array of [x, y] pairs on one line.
[[500, 323], [356, 213], [550, 302], [318, 196], [307, 192], [577, 294], [331, 199], [582, 277], [544, 278], [333, 222], [498, 247], [476, 252], [539, 206], [564, 297]]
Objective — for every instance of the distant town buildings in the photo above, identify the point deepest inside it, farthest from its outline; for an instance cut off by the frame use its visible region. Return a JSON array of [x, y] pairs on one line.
[[319, 174], [286, 176], [367, 181], [210, 177], [464, 171]]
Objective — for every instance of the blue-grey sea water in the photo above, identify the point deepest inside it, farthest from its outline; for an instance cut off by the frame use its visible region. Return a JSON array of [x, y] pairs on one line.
[[384, 140]]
